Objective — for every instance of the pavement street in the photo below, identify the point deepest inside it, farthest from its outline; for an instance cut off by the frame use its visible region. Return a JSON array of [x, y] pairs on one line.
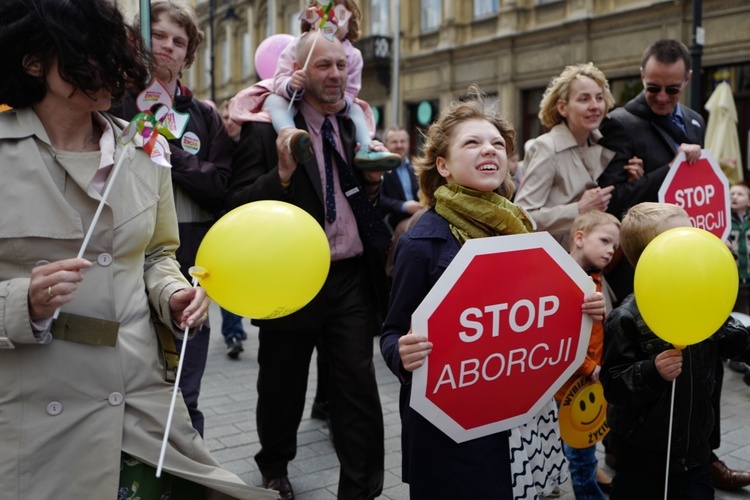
[[228, 399]]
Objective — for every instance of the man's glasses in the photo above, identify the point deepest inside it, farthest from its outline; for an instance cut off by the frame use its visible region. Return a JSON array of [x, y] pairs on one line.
[[669, 89]]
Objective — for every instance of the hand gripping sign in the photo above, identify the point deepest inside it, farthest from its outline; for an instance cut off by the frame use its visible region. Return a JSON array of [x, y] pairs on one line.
[[507, 331], [702, 190]]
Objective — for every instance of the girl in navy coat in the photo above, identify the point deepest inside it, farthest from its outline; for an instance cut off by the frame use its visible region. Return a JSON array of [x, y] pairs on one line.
[[463, 172]]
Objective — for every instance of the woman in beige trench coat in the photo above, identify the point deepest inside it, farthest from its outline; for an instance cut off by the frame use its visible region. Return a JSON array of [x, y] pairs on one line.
[[79, 392], [562, 166]]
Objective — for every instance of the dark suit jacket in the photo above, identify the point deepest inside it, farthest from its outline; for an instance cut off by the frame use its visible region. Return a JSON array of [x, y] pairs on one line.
[[255, 176], [392, 196], [635, 130]]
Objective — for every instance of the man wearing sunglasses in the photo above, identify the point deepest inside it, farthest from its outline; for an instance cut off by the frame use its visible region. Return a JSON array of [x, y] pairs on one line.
[[655, 127]]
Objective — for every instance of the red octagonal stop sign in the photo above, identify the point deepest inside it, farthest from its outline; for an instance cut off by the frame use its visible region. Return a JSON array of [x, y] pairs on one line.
[[507, 329], [702, 190]]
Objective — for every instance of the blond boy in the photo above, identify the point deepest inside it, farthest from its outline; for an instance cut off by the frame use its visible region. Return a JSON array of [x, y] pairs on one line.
[[594, 237], [637, 373]]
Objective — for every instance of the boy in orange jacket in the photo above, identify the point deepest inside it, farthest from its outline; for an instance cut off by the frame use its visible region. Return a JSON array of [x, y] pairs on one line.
[[594, 237]]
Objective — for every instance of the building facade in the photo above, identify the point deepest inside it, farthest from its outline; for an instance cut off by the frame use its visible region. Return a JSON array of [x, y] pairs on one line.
[[509, 48]]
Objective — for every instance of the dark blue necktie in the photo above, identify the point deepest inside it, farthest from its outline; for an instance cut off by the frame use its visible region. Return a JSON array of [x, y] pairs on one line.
[[369, 220], [329, 149], [677, 122]]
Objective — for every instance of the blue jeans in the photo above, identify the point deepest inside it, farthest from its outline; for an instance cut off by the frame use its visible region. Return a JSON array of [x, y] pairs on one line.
[[582, 464], [231, 325]]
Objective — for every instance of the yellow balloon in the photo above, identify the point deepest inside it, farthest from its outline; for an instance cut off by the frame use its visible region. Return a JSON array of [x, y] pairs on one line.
[[264, 260], [686, 284]]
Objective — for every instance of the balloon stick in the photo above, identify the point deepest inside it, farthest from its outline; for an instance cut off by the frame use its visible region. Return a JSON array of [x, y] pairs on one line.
[[669, 440], [174, 395], [110, 183], [312, 47]]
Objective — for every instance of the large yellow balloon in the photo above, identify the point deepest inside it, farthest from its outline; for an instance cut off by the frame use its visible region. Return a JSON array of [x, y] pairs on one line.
[[686, 284], [264, 260]]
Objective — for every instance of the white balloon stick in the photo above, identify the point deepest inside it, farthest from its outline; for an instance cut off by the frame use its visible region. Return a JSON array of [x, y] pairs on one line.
[[174, 395], [309, 54], [111, 182]]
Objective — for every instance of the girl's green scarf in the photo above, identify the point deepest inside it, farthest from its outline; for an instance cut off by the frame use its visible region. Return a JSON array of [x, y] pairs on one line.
[[476, 214]]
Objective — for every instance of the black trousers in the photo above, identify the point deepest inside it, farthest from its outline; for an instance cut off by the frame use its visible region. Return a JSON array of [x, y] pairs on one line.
[[343, 322], [193, 367], [633, 482]]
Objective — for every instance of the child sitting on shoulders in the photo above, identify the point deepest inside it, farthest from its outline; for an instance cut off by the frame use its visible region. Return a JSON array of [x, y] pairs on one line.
[[288, 84]]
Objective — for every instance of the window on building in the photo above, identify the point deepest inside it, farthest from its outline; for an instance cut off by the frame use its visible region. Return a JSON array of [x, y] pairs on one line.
[[246, 55], [264, 26], [431, 15], [189, 77], [484, 8], [226, 64], [207, 67], [379, 24], [293, 23], [624, 89], [531, 127], [420, 116]]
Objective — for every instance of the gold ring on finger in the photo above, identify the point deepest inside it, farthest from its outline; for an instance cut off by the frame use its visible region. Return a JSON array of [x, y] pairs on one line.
[[49, 292]]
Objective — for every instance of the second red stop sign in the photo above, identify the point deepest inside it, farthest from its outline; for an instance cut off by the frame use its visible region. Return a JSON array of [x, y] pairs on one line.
[[506, 323], [702, 190]]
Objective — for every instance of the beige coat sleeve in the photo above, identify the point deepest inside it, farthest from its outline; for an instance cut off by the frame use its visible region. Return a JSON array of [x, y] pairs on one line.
[[15, 324], [161, 269]]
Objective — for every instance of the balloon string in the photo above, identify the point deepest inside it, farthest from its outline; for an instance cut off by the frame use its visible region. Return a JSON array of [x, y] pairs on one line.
[[669, 439], [174, 395], [110, 183], [309, 54]]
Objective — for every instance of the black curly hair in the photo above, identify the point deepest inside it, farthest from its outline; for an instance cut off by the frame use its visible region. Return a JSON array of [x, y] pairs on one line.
[[93, 45]]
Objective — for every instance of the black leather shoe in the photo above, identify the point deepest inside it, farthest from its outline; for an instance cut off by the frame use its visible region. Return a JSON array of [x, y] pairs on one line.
[[234, 348], [280, 484], [725, 478], [605, 487], [320, 411], [611, 460]]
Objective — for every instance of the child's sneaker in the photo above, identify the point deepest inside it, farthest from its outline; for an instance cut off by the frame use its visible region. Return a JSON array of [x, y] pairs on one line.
[[366, 159], [300, 145]]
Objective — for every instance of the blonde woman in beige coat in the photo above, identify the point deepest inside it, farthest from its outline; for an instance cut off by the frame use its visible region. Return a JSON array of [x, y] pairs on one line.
[[83, 397], [560, 172], [561, 167]]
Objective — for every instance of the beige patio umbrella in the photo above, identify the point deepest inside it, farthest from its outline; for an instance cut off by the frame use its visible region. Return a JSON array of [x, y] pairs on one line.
[[721, 132]]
